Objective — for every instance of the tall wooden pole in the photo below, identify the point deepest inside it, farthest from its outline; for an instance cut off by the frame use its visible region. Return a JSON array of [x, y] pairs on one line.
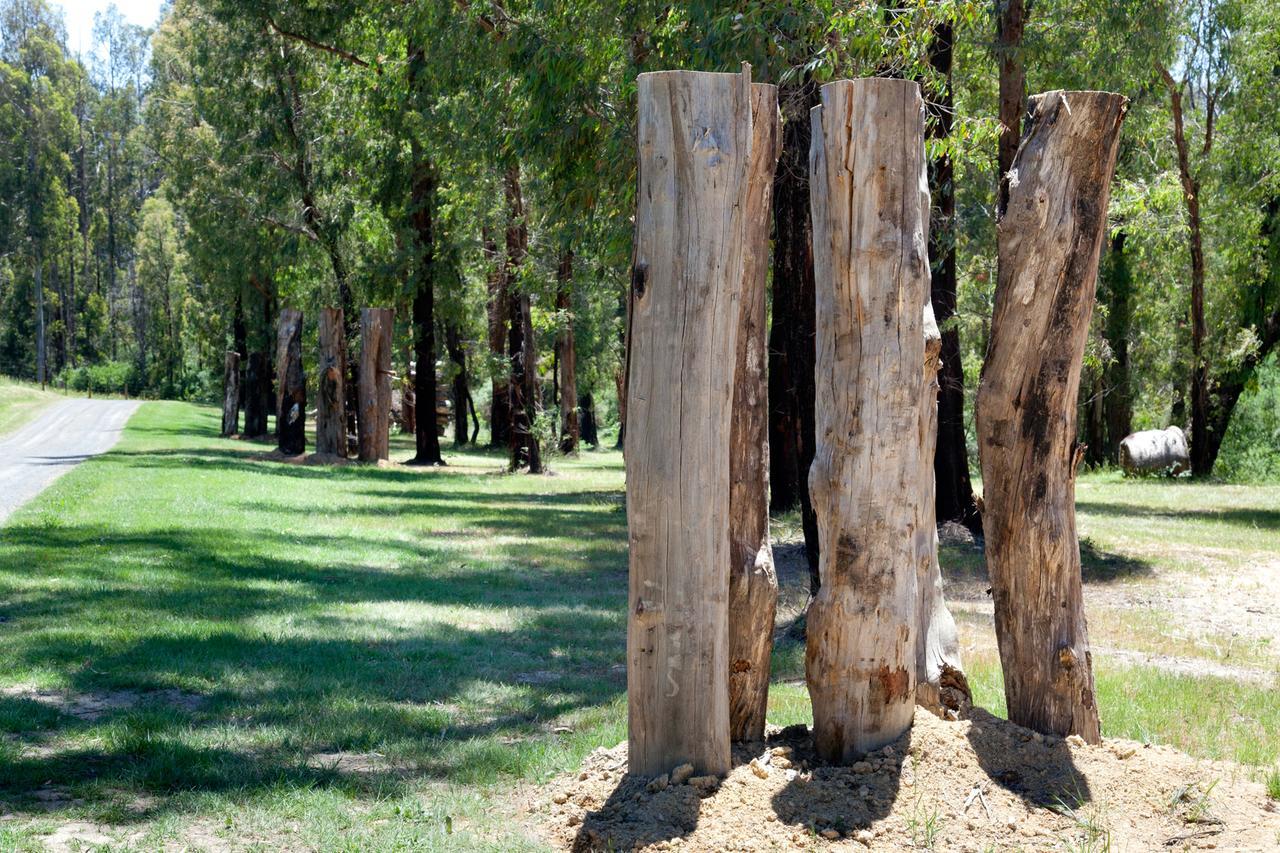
[[1049, 237], [870, 212], [695, 145], [231, 394], [753, 582], [331, 409], [375, 382], [291, 385]]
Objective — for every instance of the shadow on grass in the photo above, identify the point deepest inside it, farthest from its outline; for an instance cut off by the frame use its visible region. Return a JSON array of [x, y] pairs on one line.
[[963, 562], [1251, 517]]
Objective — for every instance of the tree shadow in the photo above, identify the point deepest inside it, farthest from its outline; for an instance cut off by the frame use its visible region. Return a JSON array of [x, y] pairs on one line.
[[966, 562], [844, 798], [1251, 517], [1038, 769]]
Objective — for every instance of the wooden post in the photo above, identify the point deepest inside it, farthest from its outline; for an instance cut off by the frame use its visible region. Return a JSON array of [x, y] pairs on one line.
[[870, 213], [753, 582], [1049, 236], [940, 678], [231, 394], [695, 140], [291, 385], [257, 396], [331, 412], [375, 382]]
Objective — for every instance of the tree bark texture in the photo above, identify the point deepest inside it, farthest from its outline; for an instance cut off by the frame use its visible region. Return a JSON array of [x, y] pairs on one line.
[[753, 582], [331, 412], [375, 382], [695, 149], [522, 353], [426, 436], [257, 398], [567, 358], [791, 380], [231, 394], [291, 386], [954, 496], [1118, 402], [1011, 20], [1049, 237], [499, 316], [461, 390], [871, 268]]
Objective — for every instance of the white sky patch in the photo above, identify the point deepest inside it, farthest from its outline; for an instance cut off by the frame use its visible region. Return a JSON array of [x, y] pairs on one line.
[[79, 14]]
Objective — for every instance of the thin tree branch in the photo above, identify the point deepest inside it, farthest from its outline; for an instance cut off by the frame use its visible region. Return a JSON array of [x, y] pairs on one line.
[[327, 48]]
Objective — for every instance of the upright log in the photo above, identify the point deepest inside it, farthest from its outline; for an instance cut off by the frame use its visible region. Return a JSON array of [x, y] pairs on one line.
[[940, 678], [1049, 236], [567, 358], [231, 394], [257, 395], [331, 412], [291, 385], [695, 141], [870, 210], [375, 382], [753, 582]]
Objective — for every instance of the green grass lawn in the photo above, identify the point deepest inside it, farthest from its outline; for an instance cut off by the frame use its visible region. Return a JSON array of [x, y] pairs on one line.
[[20, 402], [202, 647]]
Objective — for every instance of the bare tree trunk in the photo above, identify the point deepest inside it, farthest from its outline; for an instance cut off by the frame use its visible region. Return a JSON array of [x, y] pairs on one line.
[[426, 435], [331, 413], [257, 395], [871, 269], [1049, 238], [375, 382], [753, 582], [1011, 20], [291, 386], [499, 309], [567, 359], [1118, 404], [523, 389], [461, 391], [231, 394], [695, 142]]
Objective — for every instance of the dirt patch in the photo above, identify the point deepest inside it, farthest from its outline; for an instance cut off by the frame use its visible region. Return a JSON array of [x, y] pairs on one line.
[[95, 705], [350, 762], [972, 784]]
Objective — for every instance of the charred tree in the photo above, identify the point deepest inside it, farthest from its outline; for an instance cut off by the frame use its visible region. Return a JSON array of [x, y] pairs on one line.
[[426, 436], [522, 354], [461, 388], [231, 394], [331, 410], [567, 358], [1049, 236], [291, 386], [499, 311]]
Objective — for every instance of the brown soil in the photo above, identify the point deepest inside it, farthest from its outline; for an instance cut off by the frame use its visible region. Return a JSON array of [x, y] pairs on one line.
[[975, 784], [94, 705]]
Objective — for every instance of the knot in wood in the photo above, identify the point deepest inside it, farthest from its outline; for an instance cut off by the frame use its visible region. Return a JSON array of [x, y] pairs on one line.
[[1067, 658]]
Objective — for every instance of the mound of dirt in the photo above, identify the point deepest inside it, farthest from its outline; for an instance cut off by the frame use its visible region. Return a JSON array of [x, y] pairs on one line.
[[976, 784]]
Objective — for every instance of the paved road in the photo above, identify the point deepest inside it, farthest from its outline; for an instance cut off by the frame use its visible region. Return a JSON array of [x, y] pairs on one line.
[[63, 436]]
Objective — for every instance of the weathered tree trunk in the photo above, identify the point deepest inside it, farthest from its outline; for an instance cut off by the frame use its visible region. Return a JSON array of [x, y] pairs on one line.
[[753, 582], [240, 343], [499, 310], [567, 359], [1049, 237], [1011, 20], [940, 678], [791, 380], [231, 394], [331, 413], [1155, 450], [695, 148], [291, 386], [461, 390], [954, 497], [590, 432], [257, 399], [1118, 403], [523, 390], [871, 268], [375, 382]]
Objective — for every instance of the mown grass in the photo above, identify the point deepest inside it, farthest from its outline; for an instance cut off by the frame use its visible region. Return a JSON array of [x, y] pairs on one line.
[[20, 402], [368, 658]]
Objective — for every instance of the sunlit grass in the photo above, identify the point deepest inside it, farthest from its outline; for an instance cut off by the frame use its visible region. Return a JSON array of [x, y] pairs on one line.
[[20, 402]]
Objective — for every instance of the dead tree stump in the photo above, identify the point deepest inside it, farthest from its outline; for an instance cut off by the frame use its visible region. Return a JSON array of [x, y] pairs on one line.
[[870, 215], [231, 394], [331, 411], [753, 582], [291, 386], [1049, 235], [375, 382], [695, 150]]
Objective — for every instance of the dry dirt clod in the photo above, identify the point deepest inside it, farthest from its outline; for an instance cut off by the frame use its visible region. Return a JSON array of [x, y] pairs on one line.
[[681, 773], [759, 769], [861, 767], [864, 836], [781, 763], [560, 799], [830, 834], [659, 783], [1075, 741]]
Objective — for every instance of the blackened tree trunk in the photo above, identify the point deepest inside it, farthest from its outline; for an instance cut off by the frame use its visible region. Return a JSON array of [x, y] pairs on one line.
[[240, 343], [461, 390], [426, 436], [1118, 403], [331, 409], [951, 458], [291, 386], [521, 349], [590, 432], [499, 310], [791, 353], [257, 395], [567, 358]]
